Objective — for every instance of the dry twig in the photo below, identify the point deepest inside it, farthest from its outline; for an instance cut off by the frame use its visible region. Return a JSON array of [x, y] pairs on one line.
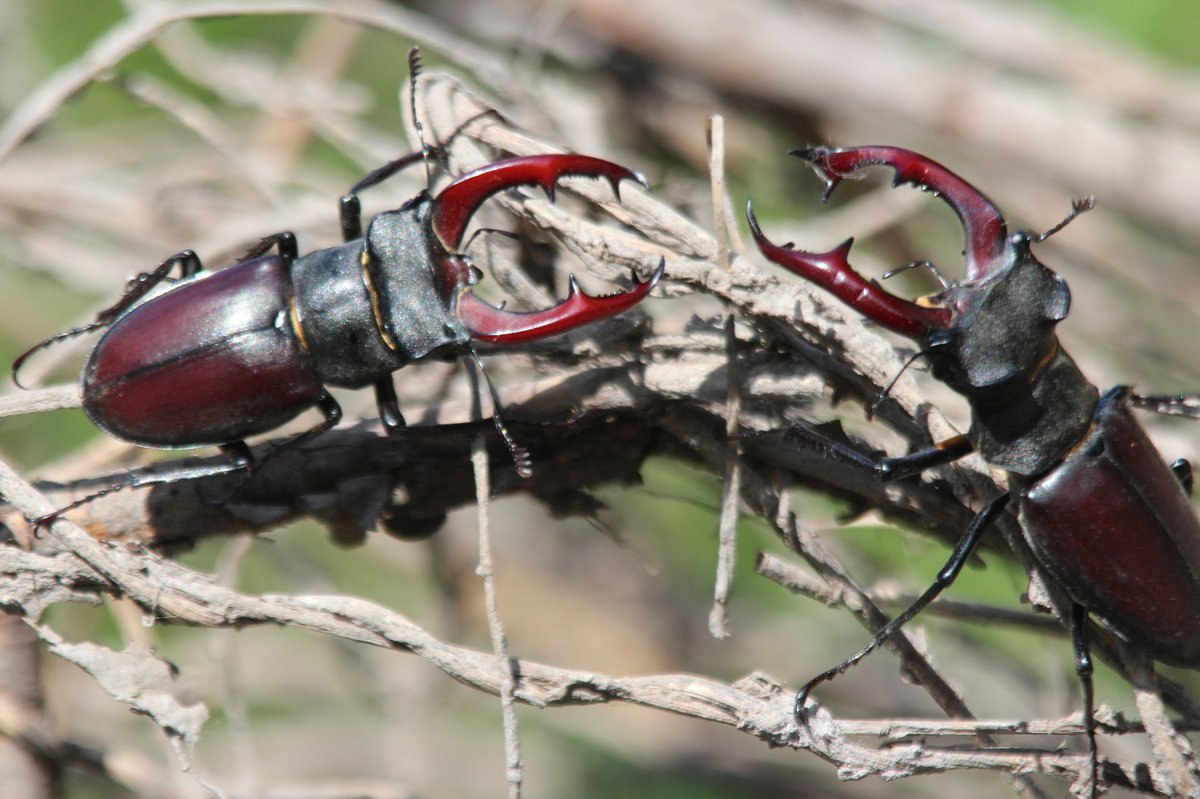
[[611, 398]]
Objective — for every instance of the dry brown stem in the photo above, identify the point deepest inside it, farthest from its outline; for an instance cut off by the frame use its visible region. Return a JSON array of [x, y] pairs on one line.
[[606, 400]]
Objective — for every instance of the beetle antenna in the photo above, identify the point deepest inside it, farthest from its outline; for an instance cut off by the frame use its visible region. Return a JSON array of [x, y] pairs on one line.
[[1080, 205], [414, 71], [883, 395], [520, 455], [922, 264], [508, 234]]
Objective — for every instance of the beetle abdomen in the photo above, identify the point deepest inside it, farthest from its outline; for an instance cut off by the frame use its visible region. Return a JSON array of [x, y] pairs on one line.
[[1115, 527], [210, 362]]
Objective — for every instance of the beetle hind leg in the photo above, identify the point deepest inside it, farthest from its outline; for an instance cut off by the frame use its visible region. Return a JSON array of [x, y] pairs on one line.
[[239, 460], [1083, 668], [186, 261]]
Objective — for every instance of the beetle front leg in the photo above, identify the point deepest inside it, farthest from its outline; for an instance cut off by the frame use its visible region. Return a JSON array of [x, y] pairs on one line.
[[350, 207], [389, 406], [886, 469], [940, 454]]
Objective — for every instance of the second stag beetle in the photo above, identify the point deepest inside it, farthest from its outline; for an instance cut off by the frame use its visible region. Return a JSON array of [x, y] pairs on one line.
[[225, 355], [1104, 515]]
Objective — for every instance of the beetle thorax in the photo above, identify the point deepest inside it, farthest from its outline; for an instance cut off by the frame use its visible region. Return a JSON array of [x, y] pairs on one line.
[[401, 260]]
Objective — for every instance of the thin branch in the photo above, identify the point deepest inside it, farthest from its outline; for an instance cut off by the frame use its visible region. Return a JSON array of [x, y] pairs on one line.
[[514, 771], [149, 21], [718, 621]]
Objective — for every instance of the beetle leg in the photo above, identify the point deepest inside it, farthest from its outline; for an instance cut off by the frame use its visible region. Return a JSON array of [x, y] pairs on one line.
[[943, 452], [958, 559], [1168, 404], [389, 405], [986, 232], [239, 460], [283, 243], [456, 203], [1182, 469], [1083, 668], [135, 290], [243, 459], [833, 272], [496, 325], [350, 207]]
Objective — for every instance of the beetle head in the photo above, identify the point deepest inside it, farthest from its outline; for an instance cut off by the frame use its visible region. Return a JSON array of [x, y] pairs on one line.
[[983, 335], [1002, 328]]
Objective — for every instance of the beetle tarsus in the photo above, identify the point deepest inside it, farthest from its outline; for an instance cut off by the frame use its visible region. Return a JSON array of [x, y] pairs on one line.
[[135, 291]]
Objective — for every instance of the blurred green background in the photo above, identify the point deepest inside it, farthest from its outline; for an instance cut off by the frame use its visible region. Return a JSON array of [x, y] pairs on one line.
[[112, 184]]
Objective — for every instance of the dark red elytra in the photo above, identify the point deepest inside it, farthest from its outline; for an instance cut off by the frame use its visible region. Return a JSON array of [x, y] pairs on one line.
[[219, 357]]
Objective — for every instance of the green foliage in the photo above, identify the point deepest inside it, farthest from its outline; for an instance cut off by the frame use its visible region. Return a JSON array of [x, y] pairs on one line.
[[1167, 28]]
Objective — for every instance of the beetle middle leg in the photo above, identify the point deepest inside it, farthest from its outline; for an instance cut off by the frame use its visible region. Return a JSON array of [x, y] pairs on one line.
[[1172, 405], [946, 576]]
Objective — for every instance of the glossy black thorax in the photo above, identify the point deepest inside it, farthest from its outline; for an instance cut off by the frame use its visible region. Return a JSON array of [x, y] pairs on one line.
[[370, 306]]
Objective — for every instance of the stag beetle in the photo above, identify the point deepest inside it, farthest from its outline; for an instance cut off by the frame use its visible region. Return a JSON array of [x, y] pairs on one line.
[[225, 355], [1102, 512]]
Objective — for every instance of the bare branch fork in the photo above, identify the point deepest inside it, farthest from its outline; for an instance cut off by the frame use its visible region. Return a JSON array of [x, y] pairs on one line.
[[598, 417]]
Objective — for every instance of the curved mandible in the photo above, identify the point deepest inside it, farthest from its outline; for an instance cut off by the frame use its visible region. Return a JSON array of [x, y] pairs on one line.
[[833, 272], [984, 227], [453, 207], [488, 323]]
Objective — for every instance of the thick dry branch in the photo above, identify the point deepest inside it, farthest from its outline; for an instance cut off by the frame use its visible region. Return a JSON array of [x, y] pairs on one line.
[[756, 705]]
